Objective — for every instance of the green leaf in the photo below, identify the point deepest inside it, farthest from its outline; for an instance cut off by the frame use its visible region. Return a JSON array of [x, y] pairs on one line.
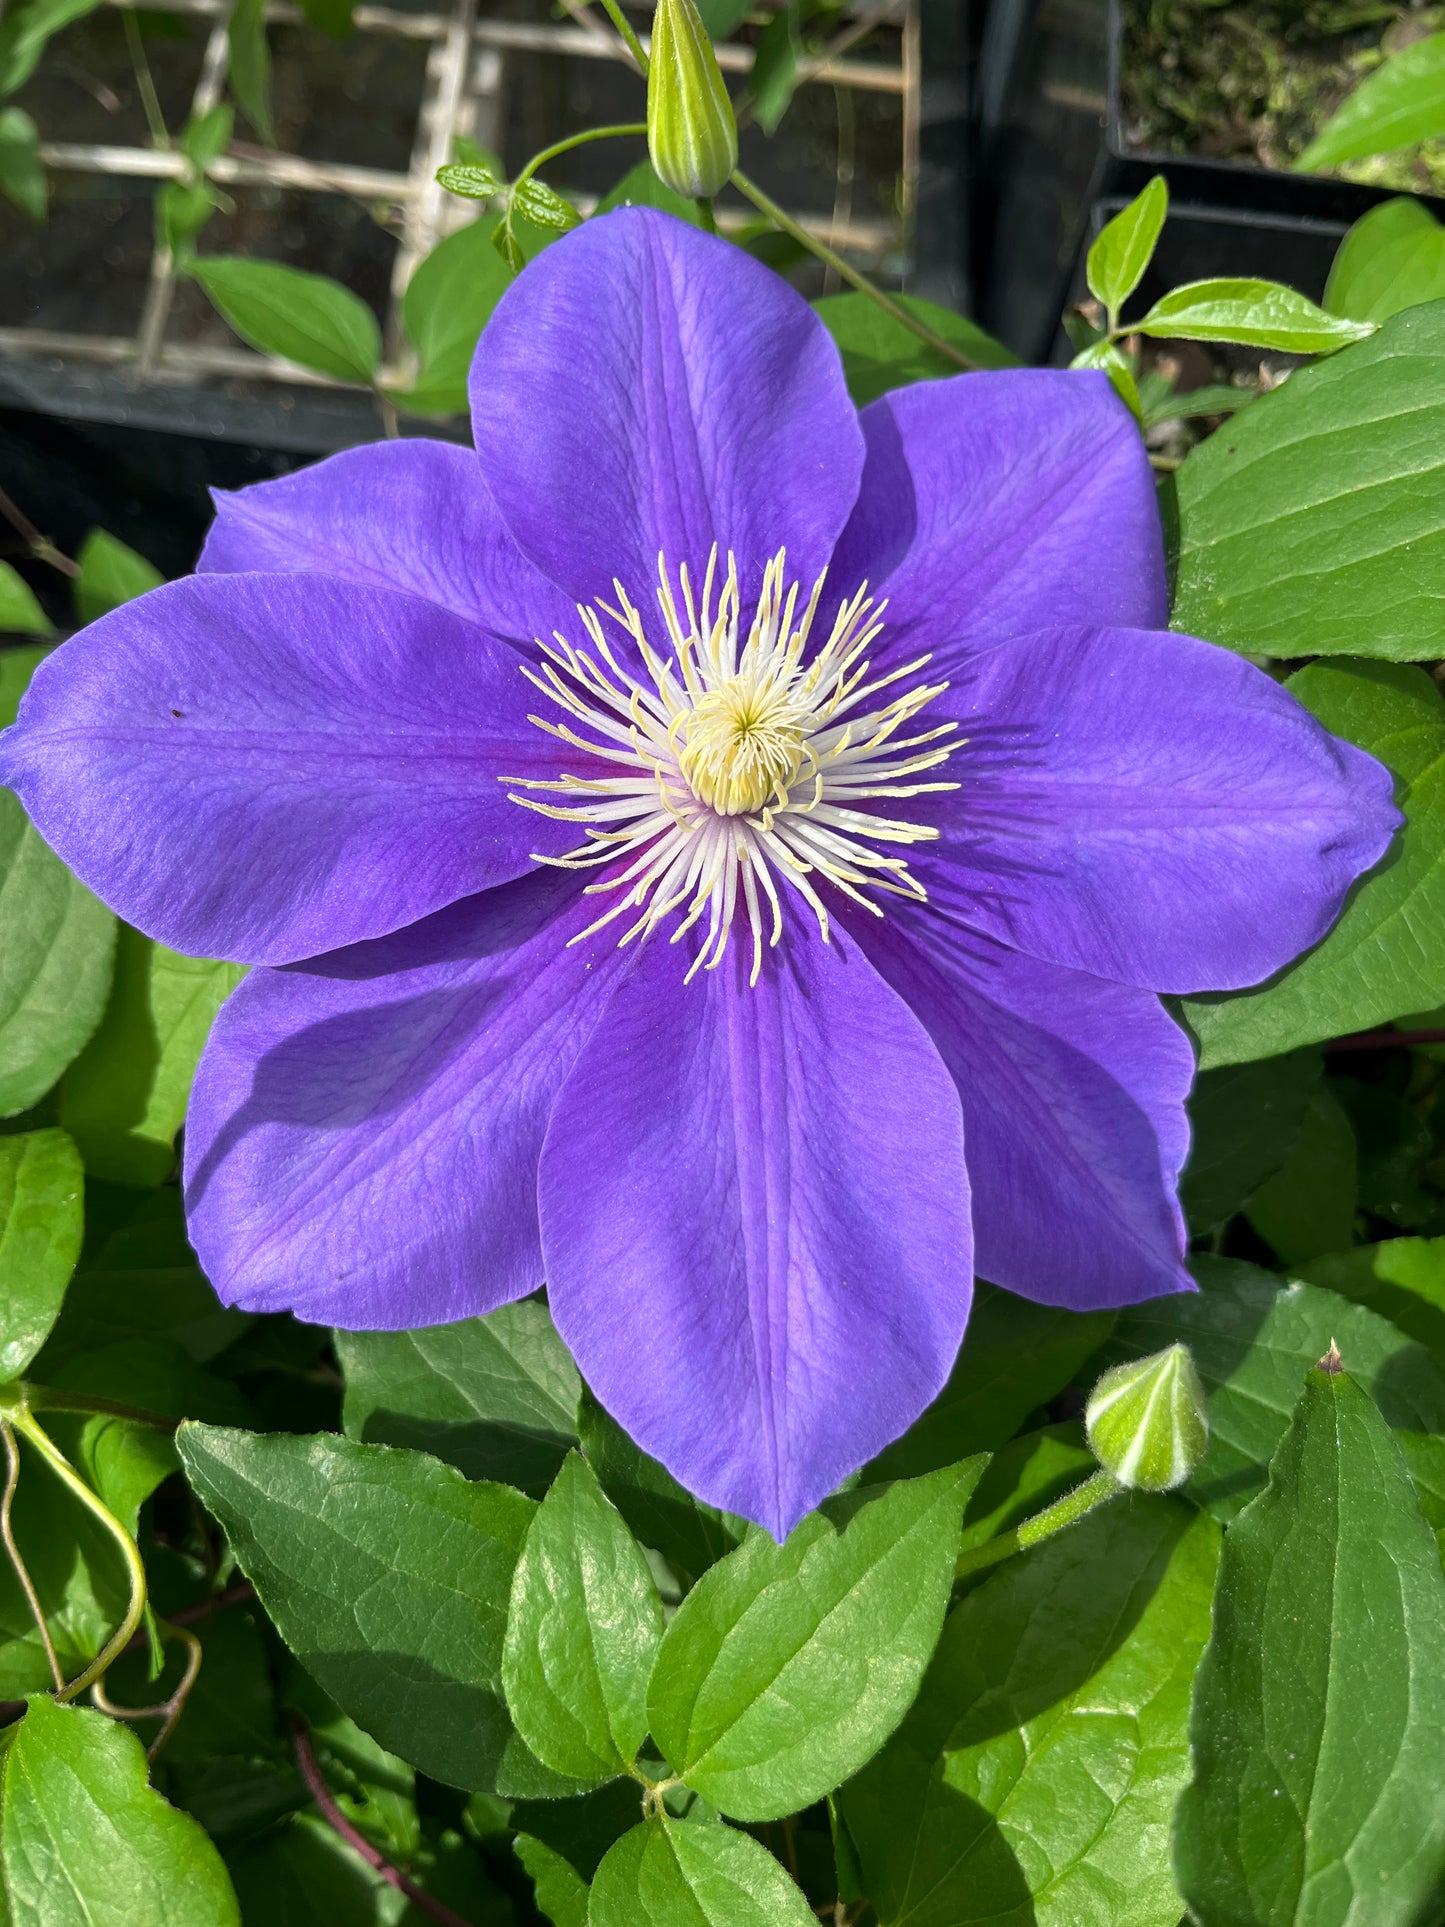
[[786, 1667], [1125, 246], [1167, 404], [775, 66], [206, 137], [1244, 1122], [1315, 523], [182, 210], [1111, 361], [1401, 103], [41, 1226], [305, 318], [1016, 1356], [1033, 1780], [84, 1842], [56, 941], [1402, 1279], [447, 303], [641, 186], [880, 354], [1308, 1206], [1394, 1143], [387, 1575], [1261, 314], [1386, 955], [583, 1628], [1319, 1714], [666, 1874], [333, 17], [250, 66], [561, 1892], [124, 1098], [22, 178], [20, 613], [660, 1512], [110, 574], [494, 1396], [27, 30], [542, 206], [722, 17], [1393, 258], [471, 180], [1252, 1337]]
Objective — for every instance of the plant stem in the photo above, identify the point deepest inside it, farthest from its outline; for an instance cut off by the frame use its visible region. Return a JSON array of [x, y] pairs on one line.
[[150, 100], [577, 140], [705, 214], [42, 1398], [22, 1571], [322, 1795], [1075, 1505], [845, 272], [40, 546], [624, 27], [32, 1430]]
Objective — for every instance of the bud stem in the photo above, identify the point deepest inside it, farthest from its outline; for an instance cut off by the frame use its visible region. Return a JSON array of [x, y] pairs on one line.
[[624, 27], [706, 216], [1096, 1490], [782, 219]]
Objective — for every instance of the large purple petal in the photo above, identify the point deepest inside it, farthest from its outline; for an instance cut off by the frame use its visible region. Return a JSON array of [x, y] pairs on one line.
[[1148, 808], [1073, 1112], [755, 1220], [364, 1131], [265, 767], [994, 504], [645, 387], [413, 515]]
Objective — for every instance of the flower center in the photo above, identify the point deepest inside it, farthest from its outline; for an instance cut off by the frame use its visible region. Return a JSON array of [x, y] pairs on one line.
[[738, 764]]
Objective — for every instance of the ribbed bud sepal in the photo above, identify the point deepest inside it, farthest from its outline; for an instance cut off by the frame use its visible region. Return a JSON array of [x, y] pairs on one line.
[[692, 134], [1147, 1422]]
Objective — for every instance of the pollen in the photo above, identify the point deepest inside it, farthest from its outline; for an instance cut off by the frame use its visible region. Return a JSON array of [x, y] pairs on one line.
[[744, 767]]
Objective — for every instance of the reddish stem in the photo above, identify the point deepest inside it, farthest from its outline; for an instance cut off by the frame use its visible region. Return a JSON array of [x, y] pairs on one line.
[[321, 1793], [1383, 1039]]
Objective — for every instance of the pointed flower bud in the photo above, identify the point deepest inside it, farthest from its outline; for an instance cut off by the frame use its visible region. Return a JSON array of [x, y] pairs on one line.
[[1147, 1423], [691, 132]]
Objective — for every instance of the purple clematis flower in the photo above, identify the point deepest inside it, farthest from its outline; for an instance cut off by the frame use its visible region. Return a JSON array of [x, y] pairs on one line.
[[711, 850]]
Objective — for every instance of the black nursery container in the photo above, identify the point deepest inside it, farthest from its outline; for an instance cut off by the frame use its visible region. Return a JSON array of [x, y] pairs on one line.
[[1053, 166]]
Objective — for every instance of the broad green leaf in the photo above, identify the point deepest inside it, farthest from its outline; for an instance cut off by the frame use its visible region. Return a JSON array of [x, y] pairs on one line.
[[305, 318], [447, 303], [879, 353], [1314, 524], [250, 65], [20, 613], [331, 16], [542, 206], [56, 941], [84, 1842], [27, 30], [471, 180], [22, 180], [110, 574], [1252, 1337], [41, 1225], [1386, 955], [1034, 1778], [1392, 258], [1394, 1143], [775, 65], [786, 1667], [1125, 246], [666, 1874], [124, 1098], [303, 1874], [581, 1830], [1319, 1712], [583, 1628], [1401, 103], [206, 137], [1016, 1356], [1261, 314], [494, 1396], [1402, 1279], [1245, 1120], [1308, 1206], [387, 1575], [561, 1892], [661, 1513], [641, 186], [1425, 1462]]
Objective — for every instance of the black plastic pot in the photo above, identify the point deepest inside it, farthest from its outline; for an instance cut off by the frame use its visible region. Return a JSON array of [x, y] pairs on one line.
[[1052, 164]]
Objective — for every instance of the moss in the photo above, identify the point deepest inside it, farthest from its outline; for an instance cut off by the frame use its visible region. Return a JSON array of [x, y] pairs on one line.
[[1243, 81]]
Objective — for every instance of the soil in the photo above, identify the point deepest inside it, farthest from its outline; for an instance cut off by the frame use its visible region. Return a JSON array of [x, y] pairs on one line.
[[1256, 80]]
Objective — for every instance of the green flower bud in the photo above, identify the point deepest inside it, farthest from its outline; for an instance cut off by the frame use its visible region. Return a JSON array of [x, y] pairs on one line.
[[691, 133], [1147, 1423]]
